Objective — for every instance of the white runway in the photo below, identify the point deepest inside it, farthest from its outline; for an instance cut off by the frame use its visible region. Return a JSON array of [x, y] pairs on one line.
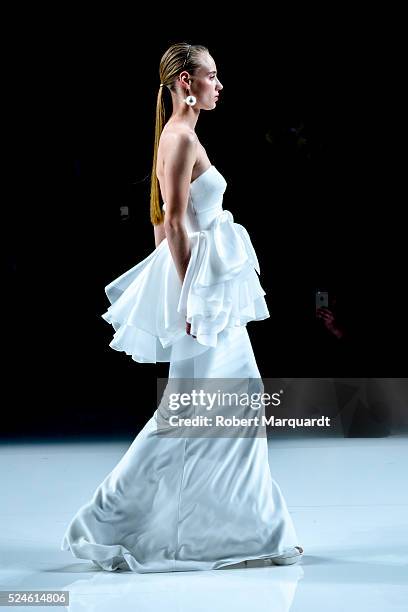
[[348, 498]]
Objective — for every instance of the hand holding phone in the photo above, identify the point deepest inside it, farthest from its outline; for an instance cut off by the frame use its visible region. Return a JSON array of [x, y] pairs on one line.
[[322, 299]]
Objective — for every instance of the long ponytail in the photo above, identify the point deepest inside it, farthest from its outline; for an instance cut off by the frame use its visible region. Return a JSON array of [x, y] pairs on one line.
[[178, 57], [156, 214]]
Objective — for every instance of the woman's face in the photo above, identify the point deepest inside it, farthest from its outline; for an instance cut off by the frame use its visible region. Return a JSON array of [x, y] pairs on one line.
[[205, 85]]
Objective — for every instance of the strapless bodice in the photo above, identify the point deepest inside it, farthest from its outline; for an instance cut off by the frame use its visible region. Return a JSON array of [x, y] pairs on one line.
[[204, 200], [150, 307]]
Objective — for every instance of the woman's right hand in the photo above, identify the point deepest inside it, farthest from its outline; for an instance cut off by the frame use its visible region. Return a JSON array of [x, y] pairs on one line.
[[188, 329]]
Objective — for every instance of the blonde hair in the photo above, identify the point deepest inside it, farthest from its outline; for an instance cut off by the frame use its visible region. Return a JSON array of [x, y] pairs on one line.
[[178, 57]]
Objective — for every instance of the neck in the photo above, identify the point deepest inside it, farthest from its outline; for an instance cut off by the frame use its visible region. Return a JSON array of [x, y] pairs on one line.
[[185, 114]]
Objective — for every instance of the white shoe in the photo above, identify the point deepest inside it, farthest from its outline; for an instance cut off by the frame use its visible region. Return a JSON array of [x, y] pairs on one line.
[[290, 556]]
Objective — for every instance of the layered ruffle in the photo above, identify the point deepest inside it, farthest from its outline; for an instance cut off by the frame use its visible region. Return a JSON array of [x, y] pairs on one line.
[[150, 306]]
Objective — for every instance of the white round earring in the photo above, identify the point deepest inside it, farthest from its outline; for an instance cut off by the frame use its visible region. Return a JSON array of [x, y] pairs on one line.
[[190, 100]]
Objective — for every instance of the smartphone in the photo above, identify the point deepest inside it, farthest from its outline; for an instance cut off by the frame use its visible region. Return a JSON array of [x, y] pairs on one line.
[[322, 299]]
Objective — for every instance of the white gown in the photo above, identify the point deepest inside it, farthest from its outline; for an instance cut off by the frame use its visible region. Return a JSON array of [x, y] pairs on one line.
[[188, 503]]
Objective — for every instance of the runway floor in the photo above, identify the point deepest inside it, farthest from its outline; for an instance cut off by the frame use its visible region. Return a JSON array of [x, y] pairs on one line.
[[348, 498]]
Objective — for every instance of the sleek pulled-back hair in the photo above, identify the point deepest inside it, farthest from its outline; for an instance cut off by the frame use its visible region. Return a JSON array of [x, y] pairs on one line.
[[178, 57]]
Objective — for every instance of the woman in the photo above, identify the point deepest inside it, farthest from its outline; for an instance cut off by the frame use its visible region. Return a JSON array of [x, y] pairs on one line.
[[186, 502]]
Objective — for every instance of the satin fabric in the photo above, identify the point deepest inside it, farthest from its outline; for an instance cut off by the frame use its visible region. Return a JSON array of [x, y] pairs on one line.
[[174, 503], [178, 504], [149, 304]]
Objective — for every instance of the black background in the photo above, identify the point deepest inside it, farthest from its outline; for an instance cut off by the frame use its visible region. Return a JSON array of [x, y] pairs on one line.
[[300, 136]]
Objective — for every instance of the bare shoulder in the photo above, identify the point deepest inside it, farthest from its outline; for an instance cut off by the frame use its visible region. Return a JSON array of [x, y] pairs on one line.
[[179, 137], [178, 146]]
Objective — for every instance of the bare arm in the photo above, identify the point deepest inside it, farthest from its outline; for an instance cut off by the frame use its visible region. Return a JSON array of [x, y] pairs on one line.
[[177, 172], [159, 233]]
